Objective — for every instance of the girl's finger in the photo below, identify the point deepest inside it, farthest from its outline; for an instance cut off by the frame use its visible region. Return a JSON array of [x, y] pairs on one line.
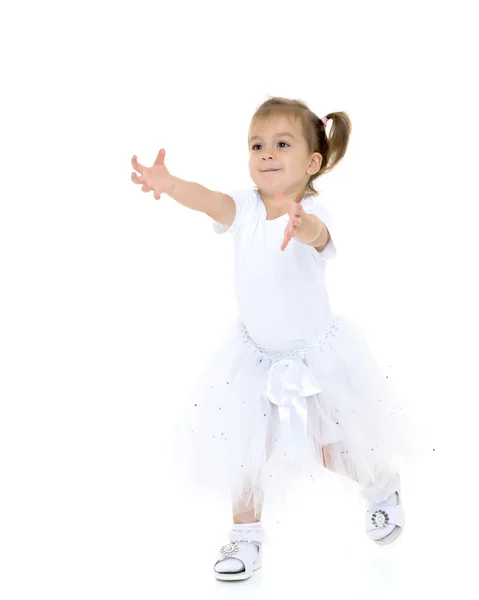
[[293, 210], [287, 238], [136, 165], [136, 179], [160, 159], [296, 210], [140, 181]]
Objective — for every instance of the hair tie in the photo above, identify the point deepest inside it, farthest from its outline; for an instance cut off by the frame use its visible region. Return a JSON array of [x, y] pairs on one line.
[[325, 120]]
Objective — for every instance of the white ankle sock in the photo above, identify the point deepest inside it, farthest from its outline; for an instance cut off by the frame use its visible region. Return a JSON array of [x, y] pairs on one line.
[[246, 532]]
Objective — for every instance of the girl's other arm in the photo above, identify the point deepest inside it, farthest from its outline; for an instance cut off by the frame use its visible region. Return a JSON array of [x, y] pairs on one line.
[[312, 232]]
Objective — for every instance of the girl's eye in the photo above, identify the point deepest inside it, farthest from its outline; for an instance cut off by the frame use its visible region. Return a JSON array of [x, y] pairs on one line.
[[254, 146]]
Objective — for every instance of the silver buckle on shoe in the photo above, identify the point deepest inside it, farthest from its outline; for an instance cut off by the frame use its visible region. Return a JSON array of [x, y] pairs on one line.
[[380, 519], [229, 549]]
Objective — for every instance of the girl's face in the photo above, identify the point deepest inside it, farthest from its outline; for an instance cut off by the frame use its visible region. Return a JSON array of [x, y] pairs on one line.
[[278, 156]]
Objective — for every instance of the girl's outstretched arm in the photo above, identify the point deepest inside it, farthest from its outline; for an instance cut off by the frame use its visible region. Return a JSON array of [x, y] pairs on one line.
[[158, 179], [218, 206]]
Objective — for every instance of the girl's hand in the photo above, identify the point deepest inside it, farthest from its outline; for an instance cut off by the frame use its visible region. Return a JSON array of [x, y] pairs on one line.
[[156, 178], [296, 213]]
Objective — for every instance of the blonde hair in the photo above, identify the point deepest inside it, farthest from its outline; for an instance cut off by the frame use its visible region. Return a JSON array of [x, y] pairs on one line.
[[332, 148]]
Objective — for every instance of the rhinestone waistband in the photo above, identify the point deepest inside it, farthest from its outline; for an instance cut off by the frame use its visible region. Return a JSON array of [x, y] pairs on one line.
[[331, 329]]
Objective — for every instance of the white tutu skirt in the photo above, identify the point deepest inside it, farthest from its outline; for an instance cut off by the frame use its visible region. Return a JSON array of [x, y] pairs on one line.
[[257, 418]]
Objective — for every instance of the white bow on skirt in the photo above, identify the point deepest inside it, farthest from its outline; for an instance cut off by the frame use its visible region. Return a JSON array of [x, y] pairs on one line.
[[290, 382]]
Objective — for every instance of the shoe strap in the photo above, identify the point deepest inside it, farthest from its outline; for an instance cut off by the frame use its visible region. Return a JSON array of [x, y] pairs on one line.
[[381, 492], [389, 515]]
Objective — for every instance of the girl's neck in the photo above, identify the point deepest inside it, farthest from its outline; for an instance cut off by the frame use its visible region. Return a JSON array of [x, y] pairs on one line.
[[273, 201]]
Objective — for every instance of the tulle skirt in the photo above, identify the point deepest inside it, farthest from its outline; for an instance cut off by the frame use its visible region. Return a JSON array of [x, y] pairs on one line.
[[257, 419]]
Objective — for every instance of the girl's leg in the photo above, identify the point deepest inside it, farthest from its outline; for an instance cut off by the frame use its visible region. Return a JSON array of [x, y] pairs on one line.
[[380, 484], [246, 517], [346, 468], [248, 508]]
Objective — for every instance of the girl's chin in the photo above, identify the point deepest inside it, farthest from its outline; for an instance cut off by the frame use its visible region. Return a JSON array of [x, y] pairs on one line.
[[270, 180], [270, 175]]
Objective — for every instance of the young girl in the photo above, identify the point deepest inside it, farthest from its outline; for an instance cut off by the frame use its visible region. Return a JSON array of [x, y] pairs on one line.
[[292, 383]]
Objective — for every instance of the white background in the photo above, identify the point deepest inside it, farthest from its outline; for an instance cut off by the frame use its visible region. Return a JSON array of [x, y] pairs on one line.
[[110, 299]]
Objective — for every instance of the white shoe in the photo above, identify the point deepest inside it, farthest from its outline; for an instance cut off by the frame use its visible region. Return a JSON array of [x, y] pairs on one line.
[[385, 519], [243, 555]]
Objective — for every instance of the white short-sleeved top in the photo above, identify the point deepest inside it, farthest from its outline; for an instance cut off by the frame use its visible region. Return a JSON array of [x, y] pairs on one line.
[[281, 295]]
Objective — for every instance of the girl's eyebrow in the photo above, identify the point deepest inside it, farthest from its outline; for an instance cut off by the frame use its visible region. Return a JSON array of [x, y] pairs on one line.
[[285, 133]]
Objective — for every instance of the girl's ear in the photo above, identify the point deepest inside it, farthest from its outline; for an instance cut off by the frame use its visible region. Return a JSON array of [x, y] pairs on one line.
[[315, 163]]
